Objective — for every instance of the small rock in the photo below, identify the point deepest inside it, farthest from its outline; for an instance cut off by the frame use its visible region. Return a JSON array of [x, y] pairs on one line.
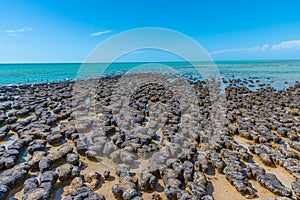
[[54, 138], [67, 171], [73, 159], [4, 191], [44, 164], [30, 184], [49, 176], [106, 175], [296, 188], [91, 154], [76, 183], [36, 194]]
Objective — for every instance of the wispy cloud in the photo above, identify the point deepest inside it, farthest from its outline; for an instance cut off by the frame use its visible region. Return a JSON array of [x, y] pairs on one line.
[[290, 44], [100, 33], [16, 32], [265, 47], [235, 50]]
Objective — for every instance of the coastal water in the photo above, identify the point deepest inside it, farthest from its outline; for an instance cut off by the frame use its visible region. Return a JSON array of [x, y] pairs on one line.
[[270, 72]]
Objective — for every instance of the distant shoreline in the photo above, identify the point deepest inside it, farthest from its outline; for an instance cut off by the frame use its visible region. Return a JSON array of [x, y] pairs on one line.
[[216, 61]]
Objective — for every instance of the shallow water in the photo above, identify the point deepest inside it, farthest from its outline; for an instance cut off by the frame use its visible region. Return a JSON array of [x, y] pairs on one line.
[[23, 157], [275, 73]]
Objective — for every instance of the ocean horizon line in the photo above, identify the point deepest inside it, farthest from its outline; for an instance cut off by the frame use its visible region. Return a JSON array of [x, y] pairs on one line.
[[254, 60]]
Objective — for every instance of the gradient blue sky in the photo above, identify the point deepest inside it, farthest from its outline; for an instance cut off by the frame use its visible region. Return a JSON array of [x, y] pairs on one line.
[[66, 31]]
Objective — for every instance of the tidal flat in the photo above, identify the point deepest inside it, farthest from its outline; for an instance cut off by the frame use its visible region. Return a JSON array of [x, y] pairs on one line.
[[150, 137]]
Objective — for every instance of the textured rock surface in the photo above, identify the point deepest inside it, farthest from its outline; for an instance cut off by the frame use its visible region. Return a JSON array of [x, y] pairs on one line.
[[53, 143]]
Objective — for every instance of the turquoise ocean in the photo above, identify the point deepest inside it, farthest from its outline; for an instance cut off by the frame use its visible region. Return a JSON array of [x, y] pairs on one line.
[[276, 73]]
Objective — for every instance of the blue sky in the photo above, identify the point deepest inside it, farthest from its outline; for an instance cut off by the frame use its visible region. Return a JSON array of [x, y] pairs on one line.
[[66, 31]]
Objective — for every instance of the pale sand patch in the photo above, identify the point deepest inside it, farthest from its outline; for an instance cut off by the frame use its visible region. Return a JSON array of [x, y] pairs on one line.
[[283, 176], [221, 188]]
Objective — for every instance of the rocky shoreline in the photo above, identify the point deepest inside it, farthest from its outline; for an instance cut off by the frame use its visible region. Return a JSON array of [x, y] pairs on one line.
[[85, 140]]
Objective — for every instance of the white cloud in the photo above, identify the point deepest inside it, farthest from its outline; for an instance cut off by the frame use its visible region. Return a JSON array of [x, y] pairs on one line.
[[12, 34], [265, 47], [15, 33], [10, 31], [291, 44], [235, 50], [100, 33]]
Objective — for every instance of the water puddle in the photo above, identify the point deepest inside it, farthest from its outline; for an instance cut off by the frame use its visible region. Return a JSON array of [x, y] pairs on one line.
[[58, 193], [87, 101], [24, 155], [9, 141]]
